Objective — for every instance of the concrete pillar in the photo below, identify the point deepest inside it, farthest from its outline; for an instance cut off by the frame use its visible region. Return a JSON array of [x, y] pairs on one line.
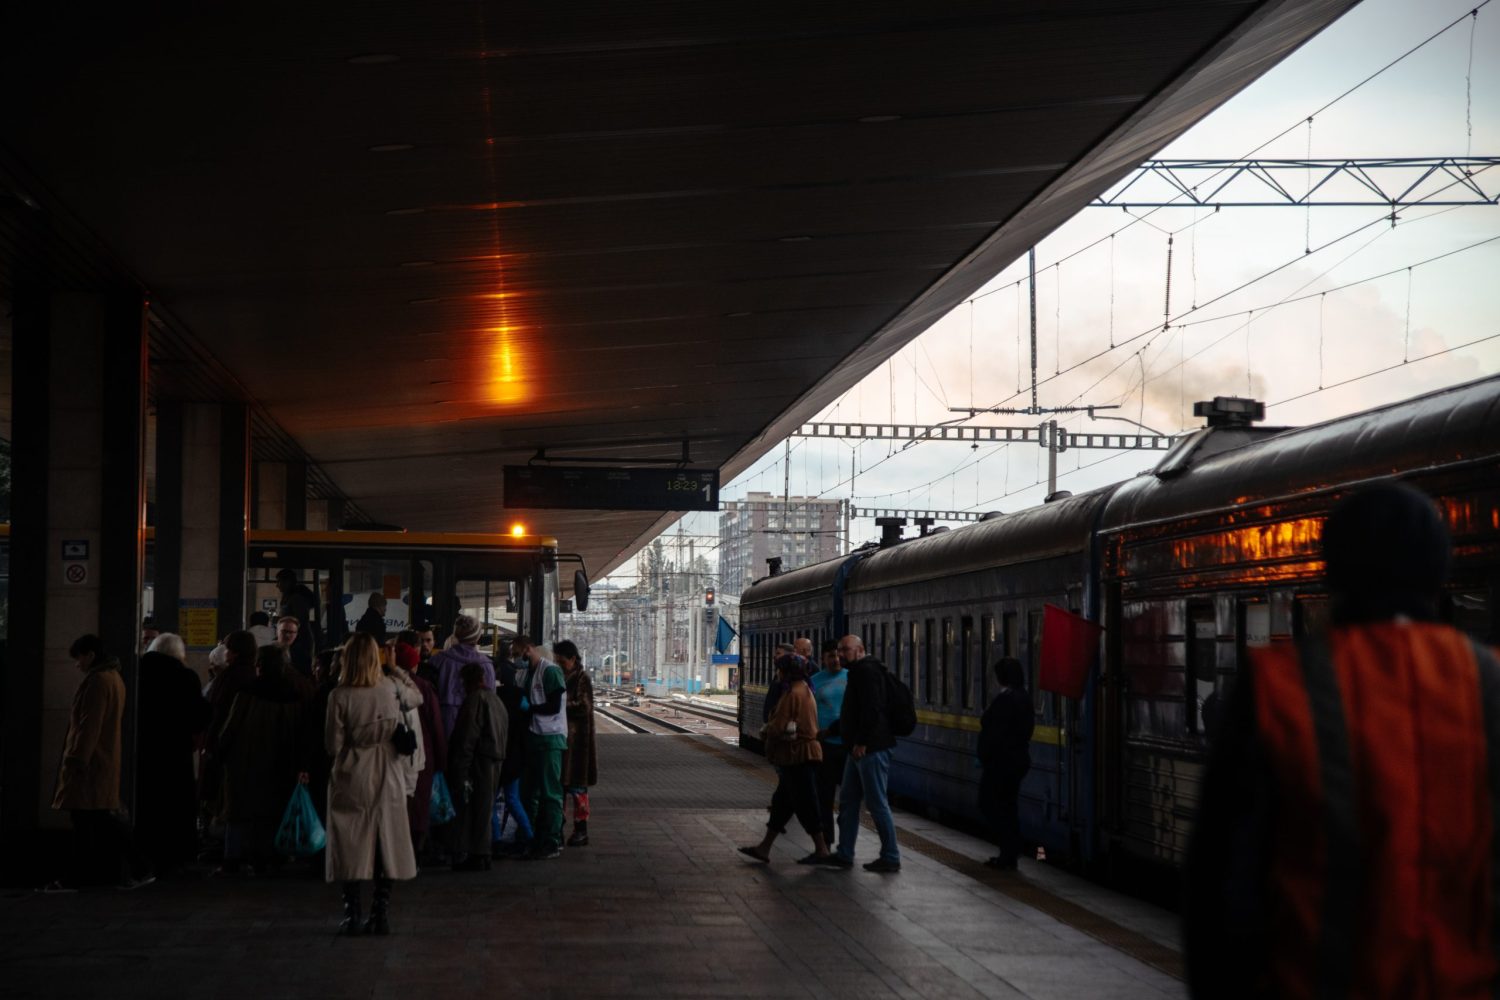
[[77, 536], [200, 533], [270, 495]]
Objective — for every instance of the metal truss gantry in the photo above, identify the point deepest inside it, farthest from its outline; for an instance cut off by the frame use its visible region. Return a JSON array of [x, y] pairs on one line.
[[1394, 182], [1041, 434]]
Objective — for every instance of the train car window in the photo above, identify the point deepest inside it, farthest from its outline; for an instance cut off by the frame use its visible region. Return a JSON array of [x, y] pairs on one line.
[[911, 656], [986, 654], [1008, 636], [1310, 616], [1034, 660], [883, 651], [927, 661], [945, 693], [1469, 606], [895, 661], [1202, 666], [1153, 641], [965, 655]]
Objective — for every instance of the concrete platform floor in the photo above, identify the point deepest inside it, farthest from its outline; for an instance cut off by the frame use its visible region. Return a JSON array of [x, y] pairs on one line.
[[659, 905]]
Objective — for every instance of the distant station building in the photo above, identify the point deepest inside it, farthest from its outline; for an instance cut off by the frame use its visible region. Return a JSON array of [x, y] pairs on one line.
[[798, 530]]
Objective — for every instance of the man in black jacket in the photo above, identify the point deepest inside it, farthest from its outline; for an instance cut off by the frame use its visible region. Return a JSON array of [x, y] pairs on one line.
[[865, 727]]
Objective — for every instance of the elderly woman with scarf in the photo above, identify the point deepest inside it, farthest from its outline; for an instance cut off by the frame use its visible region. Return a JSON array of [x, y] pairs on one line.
[[791, 738]]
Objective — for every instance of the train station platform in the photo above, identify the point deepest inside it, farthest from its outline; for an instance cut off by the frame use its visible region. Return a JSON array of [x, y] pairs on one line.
[[659, 905]]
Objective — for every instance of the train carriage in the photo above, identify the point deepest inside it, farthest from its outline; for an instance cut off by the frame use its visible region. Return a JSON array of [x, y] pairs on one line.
[[1187, 567], [940, 611], [1214, 555]]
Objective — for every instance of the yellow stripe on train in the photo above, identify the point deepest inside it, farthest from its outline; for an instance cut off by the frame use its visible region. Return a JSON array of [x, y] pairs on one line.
[[1047, 735]]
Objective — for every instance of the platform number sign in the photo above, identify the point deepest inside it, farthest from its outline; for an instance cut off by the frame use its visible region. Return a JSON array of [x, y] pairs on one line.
[[544, 487]]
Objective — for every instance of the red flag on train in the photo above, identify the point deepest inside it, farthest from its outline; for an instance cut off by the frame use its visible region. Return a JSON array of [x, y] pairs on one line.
[[1069, 644]]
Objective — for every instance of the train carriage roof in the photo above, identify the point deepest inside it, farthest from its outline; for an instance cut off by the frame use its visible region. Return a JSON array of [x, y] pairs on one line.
[[1455, 425], [1058, 528], [804, 580]]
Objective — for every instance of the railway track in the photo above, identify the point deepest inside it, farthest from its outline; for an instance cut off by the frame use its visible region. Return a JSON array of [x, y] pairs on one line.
[[643, 720]]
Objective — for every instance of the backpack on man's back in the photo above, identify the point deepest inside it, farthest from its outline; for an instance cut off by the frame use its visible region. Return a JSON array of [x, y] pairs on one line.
[[900, 706]]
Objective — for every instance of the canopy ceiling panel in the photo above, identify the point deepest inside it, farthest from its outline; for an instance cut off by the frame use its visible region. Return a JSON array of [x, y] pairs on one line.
[[428, 239]]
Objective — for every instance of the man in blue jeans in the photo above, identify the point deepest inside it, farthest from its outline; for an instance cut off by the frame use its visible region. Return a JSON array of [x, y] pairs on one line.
[[865, 728]]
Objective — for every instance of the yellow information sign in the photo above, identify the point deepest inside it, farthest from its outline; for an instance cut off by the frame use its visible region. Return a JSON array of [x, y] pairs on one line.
[[199, 621]]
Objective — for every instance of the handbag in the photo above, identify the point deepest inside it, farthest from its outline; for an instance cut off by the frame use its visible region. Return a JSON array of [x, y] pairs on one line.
[[301, 832], [440, 809]]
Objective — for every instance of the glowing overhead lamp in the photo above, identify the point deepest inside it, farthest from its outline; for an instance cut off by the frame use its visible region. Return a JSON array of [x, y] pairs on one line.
[[518, 530]]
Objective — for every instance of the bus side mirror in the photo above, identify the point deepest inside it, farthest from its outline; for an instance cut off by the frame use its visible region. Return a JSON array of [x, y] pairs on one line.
[[580, 590]]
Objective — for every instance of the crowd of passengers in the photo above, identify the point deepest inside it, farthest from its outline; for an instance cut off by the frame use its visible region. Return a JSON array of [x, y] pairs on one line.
[[411, 755]]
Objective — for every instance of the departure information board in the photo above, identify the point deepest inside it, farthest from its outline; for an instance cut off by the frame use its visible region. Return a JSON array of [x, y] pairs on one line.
[[554, 487]]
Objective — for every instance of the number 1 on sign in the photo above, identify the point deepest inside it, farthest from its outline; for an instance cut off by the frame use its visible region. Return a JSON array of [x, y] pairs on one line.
[[708, 492]]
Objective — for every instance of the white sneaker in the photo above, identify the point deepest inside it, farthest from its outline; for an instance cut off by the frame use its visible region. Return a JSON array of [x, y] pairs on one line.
[[130, 885]]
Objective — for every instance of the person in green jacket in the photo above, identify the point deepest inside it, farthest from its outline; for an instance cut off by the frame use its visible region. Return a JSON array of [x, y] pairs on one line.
[[544, 688]]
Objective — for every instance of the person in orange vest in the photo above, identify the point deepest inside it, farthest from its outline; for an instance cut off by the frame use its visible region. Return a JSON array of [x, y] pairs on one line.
[[1347, 842]]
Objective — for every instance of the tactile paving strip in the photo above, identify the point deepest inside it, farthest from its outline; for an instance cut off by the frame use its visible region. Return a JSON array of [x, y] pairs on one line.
[[1086, 921]]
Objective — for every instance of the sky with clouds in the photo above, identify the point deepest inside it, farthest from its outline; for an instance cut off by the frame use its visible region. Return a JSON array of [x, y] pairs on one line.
[[1314, 335]]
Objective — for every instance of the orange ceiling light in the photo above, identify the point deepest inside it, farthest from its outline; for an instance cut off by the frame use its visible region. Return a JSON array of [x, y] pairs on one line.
[[504, 383], [518, 530]]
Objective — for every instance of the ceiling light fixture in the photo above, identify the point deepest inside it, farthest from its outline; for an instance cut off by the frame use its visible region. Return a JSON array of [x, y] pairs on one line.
[[424, 302]]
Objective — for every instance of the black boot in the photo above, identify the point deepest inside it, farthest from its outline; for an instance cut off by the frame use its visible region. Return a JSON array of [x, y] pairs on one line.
[[351, 922], [380, 906], [580, 836]]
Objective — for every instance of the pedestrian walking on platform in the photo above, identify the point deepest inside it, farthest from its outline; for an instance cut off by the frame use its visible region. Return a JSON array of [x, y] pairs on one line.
[[791, 739], [828, 686], [543, 691], [1347, 842], [1004, 753], [368, 836], [580, 766], [478, 750], [170, 715], [88, 784], [865, 727]]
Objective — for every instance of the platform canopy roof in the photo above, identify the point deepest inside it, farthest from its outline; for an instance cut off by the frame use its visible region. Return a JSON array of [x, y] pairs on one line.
[[427, 239]]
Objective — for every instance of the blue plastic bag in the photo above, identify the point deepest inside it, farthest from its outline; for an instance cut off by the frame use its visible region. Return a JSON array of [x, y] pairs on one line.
[[301, 832], [440, 810]]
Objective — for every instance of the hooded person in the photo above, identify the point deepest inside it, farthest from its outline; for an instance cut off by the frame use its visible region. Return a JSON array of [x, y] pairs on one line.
[[1344, 839], [449, 664]]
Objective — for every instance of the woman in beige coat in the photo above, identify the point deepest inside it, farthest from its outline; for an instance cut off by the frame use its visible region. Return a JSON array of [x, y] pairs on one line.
[[791, 738], [368, 836]]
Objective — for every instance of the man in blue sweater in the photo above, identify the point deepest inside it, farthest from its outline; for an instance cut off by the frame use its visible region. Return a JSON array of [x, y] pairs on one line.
[[828, 687]]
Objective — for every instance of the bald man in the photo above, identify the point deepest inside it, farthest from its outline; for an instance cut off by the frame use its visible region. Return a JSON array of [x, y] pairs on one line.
[[864, 725]]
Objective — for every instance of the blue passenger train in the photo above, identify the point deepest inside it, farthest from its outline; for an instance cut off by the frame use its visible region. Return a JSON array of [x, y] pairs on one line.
[[1186, 567]]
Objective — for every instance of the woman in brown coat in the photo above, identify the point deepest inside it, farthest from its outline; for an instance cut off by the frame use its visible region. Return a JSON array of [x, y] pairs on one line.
[[791, 738], [580, 766], [368, 836]]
